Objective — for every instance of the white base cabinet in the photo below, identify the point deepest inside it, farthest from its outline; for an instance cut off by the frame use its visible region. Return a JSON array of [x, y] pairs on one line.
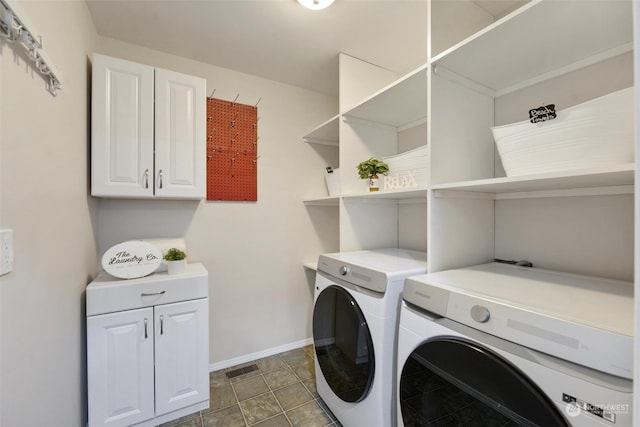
[[147, 365], [148, 137]]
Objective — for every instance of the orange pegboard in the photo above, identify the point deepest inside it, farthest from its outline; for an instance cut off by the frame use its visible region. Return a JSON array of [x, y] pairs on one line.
[[232, 151]]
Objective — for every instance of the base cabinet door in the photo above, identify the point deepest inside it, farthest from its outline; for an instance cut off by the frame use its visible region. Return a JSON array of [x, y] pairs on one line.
[[182, 355], [120, 368]]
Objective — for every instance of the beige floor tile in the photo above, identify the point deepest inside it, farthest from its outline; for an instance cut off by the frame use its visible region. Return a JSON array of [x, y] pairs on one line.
[[296, 357], [308, 415], [228, 417], [292, 396], [277, 421], [310, 383], [271, 363], [280, 378], [304, 370], [193, 420], [252, 387], [310, 350], [260, 408], [221, 397], [218, 378]]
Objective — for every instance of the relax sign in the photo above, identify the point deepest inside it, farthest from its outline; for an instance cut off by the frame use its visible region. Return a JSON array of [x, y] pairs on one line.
[[405, 179]]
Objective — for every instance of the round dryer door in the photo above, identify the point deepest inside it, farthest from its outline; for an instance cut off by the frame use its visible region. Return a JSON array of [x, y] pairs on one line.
[[452, 381], [342, 340]]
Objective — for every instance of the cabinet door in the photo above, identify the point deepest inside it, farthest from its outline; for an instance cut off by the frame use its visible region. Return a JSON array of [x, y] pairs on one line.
[[182, 354], [180, 135], [120, 368], [122, 128]]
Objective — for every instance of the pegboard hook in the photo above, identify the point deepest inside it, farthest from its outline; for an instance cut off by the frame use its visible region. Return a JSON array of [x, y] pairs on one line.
[[234, 101], [214, 91], [260, 99]]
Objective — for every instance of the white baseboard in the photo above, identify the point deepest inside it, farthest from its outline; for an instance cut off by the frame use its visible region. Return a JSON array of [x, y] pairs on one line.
[[259, 355]]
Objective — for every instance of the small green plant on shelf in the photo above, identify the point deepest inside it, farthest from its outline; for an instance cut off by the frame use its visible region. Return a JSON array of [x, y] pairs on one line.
[[372, 167], [174, 254], [369, 169]]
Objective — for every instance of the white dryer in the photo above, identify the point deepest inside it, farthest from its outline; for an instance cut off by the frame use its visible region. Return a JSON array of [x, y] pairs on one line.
[[355, 319], [504, 345]]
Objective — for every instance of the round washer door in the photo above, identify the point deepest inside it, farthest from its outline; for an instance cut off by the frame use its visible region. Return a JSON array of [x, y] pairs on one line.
[[452, 381], [343, 345]]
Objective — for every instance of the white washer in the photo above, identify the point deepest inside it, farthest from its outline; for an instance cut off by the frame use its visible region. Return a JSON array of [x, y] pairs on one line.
[[512, 345], [355, 319]]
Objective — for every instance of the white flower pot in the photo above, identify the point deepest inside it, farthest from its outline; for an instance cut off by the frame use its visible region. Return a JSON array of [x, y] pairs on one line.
[[176, 267]]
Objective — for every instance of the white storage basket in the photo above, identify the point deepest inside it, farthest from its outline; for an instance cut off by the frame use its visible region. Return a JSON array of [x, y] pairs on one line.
[[597, 133], [410, 168]]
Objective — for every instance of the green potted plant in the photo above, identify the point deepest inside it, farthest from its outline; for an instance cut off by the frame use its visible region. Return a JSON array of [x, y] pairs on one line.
[[176, 261], [369, 169]]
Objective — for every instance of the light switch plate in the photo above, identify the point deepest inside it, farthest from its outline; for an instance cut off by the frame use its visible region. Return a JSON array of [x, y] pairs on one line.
[[6, 251]]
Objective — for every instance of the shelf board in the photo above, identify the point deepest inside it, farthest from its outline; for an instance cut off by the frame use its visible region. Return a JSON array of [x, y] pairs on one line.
[[322, 201], [616, 176], [401, 103], [326, 134], [311, 265], [409, 193], [565, 33]]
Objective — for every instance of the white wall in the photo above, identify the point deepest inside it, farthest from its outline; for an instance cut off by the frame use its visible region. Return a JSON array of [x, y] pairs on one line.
[[260, 296], [43, 198]]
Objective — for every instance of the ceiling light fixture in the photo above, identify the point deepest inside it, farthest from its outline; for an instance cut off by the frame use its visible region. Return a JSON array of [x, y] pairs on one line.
[[316, 4]]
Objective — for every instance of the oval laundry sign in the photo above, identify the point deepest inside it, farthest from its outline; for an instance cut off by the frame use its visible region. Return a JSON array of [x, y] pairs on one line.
[[132, 259]]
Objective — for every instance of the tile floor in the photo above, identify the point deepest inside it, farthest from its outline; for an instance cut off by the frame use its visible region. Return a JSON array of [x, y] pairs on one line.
[[279, 393]]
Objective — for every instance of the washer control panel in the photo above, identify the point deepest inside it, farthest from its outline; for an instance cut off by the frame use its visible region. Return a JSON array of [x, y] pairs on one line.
[[344, 270]]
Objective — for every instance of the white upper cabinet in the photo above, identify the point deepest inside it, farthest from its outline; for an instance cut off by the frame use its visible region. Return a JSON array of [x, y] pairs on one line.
[[148, 132]]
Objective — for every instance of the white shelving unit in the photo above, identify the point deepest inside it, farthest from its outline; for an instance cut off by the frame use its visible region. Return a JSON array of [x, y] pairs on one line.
[[613, 180], [401, 194], [322, 201], [484, 71], [325, 134], [567, 35], [401, 104]]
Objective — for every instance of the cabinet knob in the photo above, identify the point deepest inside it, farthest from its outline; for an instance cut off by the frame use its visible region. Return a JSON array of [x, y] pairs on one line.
[[161, 325], [160, 180], [146, 178], [146, 335]]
